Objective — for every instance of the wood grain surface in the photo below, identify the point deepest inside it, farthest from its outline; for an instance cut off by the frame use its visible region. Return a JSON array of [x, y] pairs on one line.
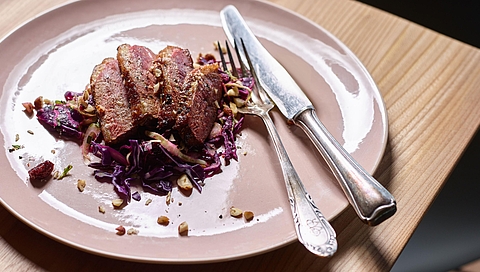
[[430, 84]]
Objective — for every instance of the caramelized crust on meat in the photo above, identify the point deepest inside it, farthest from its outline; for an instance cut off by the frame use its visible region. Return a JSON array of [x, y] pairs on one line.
[[198, 104], [135, 64], [111, 101], [138, 89], [171, 67]]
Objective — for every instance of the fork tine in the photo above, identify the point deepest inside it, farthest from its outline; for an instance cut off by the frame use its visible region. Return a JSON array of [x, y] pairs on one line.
[[261, 92], [250, 65], [242, 66], [232, 62], [224, 63]]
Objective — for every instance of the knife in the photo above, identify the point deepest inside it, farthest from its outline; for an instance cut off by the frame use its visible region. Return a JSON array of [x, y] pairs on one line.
[[370, 200]]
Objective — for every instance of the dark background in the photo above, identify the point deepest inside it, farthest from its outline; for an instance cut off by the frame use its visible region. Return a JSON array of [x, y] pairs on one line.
[[458, 19], [449, 234]]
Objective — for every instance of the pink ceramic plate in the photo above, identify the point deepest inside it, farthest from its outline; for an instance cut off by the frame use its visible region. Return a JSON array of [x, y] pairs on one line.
[[56, 52]]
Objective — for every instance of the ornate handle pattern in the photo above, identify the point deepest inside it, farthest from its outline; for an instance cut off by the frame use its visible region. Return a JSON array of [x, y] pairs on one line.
[[371, 201], [313, 229]]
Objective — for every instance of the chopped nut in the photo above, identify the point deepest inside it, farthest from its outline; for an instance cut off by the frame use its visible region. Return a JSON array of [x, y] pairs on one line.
[[184, 183], [56, 174], [215, 46], [157, 72], [117, 202], [132, 231], [120, 230], [163, 220], [169, 198], [30, 132], [53, 151], [38, 102], [183, 228], [81, 184], [248, 215], [86, 94], [148, 201], [17, 137], [235, 212], [101, 209]]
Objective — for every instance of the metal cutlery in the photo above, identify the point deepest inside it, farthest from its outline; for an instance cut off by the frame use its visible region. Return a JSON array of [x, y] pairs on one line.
[[370, 200], [312, 228]]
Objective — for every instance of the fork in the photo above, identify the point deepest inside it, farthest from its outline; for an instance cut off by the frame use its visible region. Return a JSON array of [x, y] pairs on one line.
[[312, 228]]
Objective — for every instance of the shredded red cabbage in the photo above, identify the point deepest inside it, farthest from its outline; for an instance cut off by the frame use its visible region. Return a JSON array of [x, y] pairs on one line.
[[230, 151], [65, 120], [146, 162], [136, 196]]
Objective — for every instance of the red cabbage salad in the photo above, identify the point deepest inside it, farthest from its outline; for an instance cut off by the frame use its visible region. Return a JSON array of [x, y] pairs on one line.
[[156, 160]]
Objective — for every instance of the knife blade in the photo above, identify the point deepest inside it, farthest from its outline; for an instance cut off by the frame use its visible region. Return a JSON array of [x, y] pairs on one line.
[[370, 200]]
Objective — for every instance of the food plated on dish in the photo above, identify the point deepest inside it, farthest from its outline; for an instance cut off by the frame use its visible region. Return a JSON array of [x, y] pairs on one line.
[[49, 64]]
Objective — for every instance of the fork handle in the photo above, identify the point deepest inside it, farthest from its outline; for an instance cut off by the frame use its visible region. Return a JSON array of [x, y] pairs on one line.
[[370, 200], [313, 229]]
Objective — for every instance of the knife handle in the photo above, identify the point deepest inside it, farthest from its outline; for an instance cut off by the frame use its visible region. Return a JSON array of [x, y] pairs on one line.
[[370, 200]]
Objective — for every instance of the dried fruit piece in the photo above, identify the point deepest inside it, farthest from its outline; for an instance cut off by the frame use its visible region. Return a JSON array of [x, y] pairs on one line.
[[117, 202], [235, 212], [120, 230], [41, 171], [248, 215], [163, 220], [183, 228], [81, 184], [28, 108], [184, 183]]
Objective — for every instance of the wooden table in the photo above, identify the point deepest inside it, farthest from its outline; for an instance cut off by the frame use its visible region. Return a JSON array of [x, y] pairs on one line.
[[430, 84]]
